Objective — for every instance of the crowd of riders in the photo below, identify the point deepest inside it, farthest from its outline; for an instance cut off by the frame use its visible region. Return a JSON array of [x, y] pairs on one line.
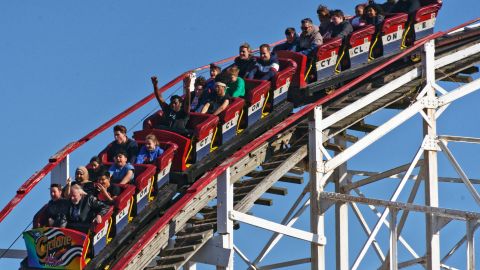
[[84, 200]]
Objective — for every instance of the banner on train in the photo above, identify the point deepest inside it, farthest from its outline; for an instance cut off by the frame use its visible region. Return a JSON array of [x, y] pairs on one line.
[[55, 248]]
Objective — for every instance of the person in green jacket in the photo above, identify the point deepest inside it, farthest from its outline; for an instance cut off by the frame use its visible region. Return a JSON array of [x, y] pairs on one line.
[[236, 85]]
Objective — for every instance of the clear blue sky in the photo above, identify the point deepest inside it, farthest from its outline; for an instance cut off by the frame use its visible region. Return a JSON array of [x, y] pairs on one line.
[[66, 67]]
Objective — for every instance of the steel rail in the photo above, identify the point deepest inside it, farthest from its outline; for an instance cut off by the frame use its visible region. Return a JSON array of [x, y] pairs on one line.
[[237, 156]]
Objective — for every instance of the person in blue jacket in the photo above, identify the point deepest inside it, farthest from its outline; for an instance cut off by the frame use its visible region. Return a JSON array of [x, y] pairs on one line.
[[121, 171], [150, 151], [290, 44]]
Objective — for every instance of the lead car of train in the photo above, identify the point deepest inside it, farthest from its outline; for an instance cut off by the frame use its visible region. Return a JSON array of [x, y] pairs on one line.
[[214, 138]]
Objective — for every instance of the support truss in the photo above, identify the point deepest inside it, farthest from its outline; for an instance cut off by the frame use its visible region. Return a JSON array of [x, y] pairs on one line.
[[326, 167]]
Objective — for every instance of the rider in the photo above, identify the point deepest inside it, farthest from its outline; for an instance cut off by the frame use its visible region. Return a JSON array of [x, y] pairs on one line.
[[176, 114]]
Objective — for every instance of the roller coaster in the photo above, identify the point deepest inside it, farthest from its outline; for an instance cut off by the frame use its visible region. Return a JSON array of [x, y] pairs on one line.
[[166, 219]]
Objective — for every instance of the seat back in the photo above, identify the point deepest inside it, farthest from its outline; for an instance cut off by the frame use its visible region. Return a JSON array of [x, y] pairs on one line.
[[425, 19], [298, 78], [122, 207], [183, 145], [257, 92], [204, 127], [153, 120], [327, 58], [100, 232], [230, 119], [40, 219], [359, 45], [392, 33], [144, 179], [282, 80]]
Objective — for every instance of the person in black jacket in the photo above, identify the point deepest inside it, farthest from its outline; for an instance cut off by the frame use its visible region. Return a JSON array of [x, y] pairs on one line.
[[176, 114], [122, 143], [387, 6], [55, 211], [324, 18], [373, 16], [95, 168], [340, 27], [83, 210], [245, 60], [406, 6], [290, 44]]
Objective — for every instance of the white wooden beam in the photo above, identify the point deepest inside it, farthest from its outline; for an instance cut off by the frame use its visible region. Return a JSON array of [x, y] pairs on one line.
[[374, 136], [318, 180], [471, 244], [393, 198], [276, 227], [285, 264], [224, 223], [460, 171], [430, 155], [290, 218], [459, 92]]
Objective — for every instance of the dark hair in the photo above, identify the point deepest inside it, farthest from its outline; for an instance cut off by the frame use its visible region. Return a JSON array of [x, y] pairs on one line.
[[172, 98], [307, 20], [200, 81], [105, 173], [121, 152], [246, 46], [233, 70], [215, 66], [322, 7], [96, 159], [265, 46], [323, 10], [375, 7], [55, 185], [360, 5], [338, 12], [120, 128], [289, 30]]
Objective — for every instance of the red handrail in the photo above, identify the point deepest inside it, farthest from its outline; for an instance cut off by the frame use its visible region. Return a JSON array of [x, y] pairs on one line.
[[38, 176], [210, 176]]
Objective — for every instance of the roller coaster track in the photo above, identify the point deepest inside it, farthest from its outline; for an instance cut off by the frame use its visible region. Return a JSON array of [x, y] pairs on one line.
[[281, 152], [192, 232]]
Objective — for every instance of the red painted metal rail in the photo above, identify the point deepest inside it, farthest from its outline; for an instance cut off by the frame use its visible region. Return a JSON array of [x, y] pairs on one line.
[[212, 175], [68, 149]]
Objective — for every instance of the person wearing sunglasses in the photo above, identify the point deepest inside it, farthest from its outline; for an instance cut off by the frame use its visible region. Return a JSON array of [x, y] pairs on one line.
[[310, 38]]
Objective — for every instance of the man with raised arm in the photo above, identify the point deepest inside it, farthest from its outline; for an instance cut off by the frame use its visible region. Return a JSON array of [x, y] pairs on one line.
[[176, 114]]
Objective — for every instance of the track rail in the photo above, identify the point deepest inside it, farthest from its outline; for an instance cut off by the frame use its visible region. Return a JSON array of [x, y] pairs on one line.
[[209, 178]]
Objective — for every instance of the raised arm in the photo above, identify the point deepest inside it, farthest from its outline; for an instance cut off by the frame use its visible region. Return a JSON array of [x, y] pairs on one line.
[[66, 189], [158, 95], [188, 83]]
